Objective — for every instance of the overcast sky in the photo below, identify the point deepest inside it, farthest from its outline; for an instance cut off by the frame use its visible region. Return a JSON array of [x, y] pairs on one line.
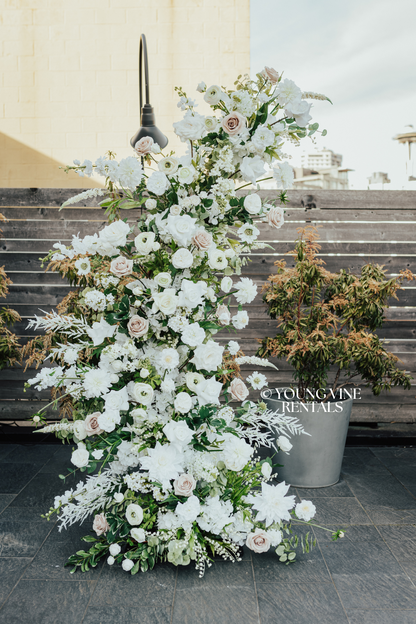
[[362, 55]]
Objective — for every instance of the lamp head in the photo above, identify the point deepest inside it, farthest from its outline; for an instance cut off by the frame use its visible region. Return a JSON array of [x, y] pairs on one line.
[[149, 129]]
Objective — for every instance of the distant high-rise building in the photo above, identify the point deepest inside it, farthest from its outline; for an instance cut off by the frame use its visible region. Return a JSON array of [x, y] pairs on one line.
[[407, 137], [320, 159]]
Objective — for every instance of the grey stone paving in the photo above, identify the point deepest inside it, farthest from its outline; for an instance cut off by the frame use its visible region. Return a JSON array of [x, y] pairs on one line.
[[369, 577]]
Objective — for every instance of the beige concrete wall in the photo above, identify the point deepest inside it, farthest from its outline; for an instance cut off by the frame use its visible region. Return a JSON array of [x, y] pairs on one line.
[[69, 75]]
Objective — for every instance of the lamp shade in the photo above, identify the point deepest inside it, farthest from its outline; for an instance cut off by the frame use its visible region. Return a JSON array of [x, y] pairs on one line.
[[149, 129]]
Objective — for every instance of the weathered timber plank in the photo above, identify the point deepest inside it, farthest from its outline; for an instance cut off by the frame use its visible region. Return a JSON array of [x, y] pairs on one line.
[[48, 213], [42, 197], [376, 232], [14, 389], [59, 230], [30, 294], [38, 278], [22, 410], [392, 314]]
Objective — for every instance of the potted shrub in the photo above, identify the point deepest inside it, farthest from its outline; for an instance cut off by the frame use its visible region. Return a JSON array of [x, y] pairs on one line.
[[326, 331]]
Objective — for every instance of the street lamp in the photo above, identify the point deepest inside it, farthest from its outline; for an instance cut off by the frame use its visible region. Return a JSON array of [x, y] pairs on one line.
[[148, 127]]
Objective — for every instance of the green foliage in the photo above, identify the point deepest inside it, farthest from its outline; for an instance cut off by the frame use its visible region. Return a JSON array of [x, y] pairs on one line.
[[328, 319]]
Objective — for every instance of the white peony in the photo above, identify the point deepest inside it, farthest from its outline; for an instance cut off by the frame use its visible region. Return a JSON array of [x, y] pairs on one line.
[[208, 356], [115, 234], [182, 404], [191, 127], [193, 335], [166, 301], [182, 259], [208, 391], [80, 457], [182, 228], [305, 510], [134, 514], [144, 243], [240, 320], [246, 290], [252, 203], [252, 168], [157, 183]]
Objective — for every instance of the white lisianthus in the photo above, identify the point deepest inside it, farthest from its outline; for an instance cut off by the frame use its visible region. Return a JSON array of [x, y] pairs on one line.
[[305, 510], [191, 127], [83, 266], [252, 203], [182, 228], [178, 432], [130, 173], [115, 234], [217, 260], [144, 243], [213, 95], [166, 301], [208, 391], [139, 535], [233, 347], [262, 138], [246, 290], [226, 284], [186, 175], [169, 359], [240, 320], [284, 175], [252, 168], [191, 294], [140, 392], [189, 511], [266, 470], [169, 165], [193, 335], [157, 183], [163, 279], [208, 356], [182, 259], [192, 380], [284, 444], [134, 514], [300, 111], [275, 536], [81, 456]]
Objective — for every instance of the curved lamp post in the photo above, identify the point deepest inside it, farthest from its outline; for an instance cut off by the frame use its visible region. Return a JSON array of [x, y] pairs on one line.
[[148, 127]]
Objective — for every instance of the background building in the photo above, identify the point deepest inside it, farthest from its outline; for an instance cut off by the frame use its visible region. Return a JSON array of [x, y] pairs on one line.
[[407, 138], [322, 159], [70, 75]]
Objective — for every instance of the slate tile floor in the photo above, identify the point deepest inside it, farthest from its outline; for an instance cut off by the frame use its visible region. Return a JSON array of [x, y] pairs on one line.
[[369, 577]]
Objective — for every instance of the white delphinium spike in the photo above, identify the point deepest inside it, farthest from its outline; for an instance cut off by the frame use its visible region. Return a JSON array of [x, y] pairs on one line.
[[59, 426], [94, 192], [252, 359]]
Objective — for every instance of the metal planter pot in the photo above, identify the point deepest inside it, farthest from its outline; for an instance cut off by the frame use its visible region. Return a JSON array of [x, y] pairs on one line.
[[314, 461]]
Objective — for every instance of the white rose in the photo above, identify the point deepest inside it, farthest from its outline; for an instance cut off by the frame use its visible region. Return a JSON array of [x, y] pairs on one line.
[[193, 335], [166, 301], [186, 175], [157, 183], [182, 228], [138, 534], [184, 485], [191, 294], [208, 356], [134, 514], [127, 565], [213, 95], [115, 234], [252, 204], [150, 204], [182, 259], [178, 432], [140, 392], [226, 284], [284, 444], [163, 279], [182, 403], [217, 260], [175, 210], [80, 457], [258, 541], [79, 429], [208, 391], [191, 127], [144, 243]]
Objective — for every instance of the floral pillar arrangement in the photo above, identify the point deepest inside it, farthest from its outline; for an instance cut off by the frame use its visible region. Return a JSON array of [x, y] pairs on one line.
[[160, 418]]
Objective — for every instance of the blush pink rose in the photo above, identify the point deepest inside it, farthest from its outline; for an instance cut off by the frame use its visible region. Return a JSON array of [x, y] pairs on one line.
[[233, 123], [121, 266], [223, 315], [91, 424], [144, 146], [137, 326], [258, 541], [238, 389], [100, 524], [271, 74], [275, 217], [184, 485], [202, 239]]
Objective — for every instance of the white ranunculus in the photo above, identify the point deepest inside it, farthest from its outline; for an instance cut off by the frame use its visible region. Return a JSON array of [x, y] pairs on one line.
[[182, 259], [134, 514], [100, 331], [79, 429], [168, 165], [182, 228], [193, 335], [169, 359], [252, 168], [191, 127], [166, 301], [193, 379], [139, 535], [186, 175], [191, 294], [284, 444], [208, 356], [144, 243], [208, 391], [226, 284], [178, 432], [213, 95], [157, 183], [211, 124], [240, 320], [140, 392], [81, 456], [182, 403], [217, 260], [252, 203], [163, 279], [115, 234]]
